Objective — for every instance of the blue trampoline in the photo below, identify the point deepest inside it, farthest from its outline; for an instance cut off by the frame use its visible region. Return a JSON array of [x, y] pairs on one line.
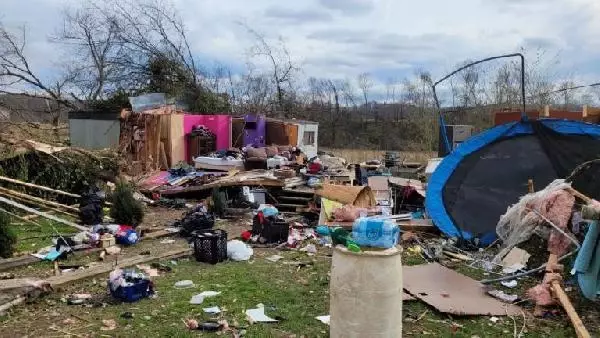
[[475, 184]]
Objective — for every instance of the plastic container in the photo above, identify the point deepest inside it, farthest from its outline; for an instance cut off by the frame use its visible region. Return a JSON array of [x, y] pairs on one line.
[[141, 288], [375, 232], [366, 293], [210, 246]]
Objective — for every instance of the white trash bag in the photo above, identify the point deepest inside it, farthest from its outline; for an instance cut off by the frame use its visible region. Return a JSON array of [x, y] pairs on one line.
[[238, 250]]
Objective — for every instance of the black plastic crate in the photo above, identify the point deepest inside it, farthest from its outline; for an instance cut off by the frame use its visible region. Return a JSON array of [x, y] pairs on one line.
[[273, 230], [210, 246]]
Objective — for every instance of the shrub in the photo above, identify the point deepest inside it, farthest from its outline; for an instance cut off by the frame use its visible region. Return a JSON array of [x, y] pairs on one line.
[[8, 238], [125, 208]]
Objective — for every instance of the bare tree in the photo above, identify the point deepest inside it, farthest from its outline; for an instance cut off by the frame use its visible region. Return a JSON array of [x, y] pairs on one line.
[[280, 62], [19, 78], [365, 84], [93, 46]]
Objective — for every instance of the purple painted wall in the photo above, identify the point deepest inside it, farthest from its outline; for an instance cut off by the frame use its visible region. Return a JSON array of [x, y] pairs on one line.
[[255, 130]]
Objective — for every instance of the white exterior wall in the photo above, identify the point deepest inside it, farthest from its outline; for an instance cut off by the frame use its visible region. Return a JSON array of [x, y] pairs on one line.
[[309, 149]]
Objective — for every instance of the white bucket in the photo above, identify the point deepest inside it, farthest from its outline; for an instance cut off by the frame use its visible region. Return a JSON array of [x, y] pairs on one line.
[[366, 294]]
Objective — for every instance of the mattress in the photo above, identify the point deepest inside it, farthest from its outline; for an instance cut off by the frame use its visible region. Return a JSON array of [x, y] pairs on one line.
[[214, 163]]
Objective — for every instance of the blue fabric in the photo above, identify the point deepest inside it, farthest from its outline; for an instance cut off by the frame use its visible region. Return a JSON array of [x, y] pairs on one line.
[[434, 203], [587, 264]]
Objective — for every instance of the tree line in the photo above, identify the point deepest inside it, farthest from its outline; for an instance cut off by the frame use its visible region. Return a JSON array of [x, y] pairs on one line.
[[115, 49]]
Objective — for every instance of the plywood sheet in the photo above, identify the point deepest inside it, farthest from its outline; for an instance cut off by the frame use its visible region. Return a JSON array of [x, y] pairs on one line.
[[451, 292], [292, 132], [176, 139]]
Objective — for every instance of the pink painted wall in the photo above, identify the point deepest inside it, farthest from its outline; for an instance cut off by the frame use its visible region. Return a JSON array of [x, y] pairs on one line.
[[218, 124]]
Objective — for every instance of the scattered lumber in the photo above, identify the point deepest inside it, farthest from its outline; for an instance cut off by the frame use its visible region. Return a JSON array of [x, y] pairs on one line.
[[46, 215], [9, 263], [36, 204], [108, 267], [37, 199], [40, 187], [24, 219]]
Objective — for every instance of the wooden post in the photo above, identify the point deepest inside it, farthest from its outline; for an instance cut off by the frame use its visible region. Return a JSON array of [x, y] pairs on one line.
[[584, 114], [546, 111], [530, 187], [551, 267]]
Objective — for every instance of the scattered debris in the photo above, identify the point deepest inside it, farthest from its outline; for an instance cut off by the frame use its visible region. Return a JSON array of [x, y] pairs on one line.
[[509, 284], [108, 325], [207, 294], [464, 296], [197, 299], [274, 258], [503, 296], [257, 315], [324, 319], [212, 310], [516, 257], [184, 284]]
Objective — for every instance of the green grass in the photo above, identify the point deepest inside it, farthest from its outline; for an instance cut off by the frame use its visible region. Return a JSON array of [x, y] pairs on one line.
[[31, 238], [295, 295]]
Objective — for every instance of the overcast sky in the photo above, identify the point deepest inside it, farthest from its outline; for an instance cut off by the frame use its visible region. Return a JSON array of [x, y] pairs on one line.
[[389, 39]]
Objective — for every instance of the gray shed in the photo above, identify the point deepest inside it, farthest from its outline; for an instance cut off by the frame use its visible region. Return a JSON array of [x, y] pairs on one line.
[[94, 129]]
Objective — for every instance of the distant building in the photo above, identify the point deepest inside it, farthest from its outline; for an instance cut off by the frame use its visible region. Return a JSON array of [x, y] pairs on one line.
[[22, 108]]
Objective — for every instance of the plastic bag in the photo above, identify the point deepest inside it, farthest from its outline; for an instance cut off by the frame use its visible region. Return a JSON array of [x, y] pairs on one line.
[[238, 250]]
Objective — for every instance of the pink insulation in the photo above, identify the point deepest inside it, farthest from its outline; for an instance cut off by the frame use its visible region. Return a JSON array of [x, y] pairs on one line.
[[557, 207], [541, 294]]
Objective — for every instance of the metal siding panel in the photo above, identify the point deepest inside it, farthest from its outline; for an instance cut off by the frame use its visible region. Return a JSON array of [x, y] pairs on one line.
[[94, 134]]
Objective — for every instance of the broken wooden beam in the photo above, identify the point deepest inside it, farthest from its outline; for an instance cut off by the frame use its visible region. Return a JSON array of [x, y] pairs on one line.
[[36, 204], [19, 217], [14, 262], [110, 266], [40, 187], [37, 199], [563, 299], [43, 214]]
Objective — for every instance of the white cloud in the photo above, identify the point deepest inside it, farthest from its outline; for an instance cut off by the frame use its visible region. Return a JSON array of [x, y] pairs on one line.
[[388, 38]]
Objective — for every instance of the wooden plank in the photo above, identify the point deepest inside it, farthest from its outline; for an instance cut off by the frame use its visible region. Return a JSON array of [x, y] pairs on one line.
[[46, 215], [250, 183], [9, 263], [417, 225], [110, 266], [30, 203], [164, 164], [282, 205], [40, 187], [14, 262], [27, 220], [37, 199], [157, 234], [294, 198]]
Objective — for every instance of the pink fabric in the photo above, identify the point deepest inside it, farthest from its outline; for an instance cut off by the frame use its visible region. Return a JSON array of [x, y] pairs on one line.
[[218, 124]]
